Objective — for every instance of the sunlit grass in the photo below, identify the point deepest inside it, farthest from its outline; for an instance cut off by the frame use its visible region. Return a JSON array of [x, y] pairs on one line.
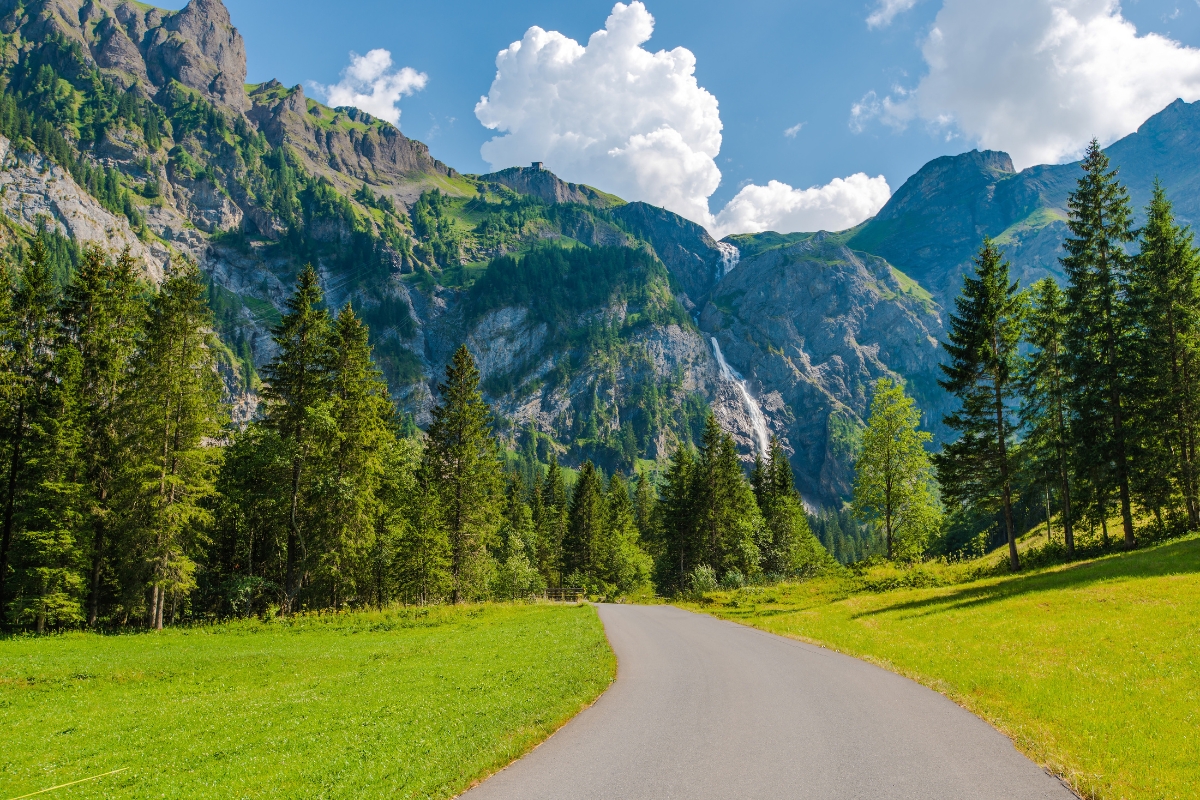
[[405, 703], [1093, 669]]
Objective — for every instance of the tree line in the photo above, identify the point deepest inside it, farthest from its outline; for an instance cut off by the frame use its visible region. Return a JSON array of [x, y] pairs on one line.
[[1083, 397], [129, 498]]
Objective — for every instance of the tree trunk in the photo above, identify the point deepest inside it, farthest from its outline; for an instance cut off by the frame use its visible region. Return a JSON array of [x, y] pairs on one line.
[[1049, 530], [293, 538], [10, 509], [98, 544]]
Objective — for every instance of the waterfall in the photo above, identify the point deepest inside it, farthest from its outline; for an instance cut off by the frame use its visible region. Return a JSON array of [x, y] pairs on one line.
[[730, 256], [752, 407]]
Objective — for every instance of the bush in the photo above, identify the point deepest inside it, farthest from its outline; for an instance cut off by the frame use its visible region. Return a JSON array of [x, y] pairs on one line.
[[733, 580], [702, 579]]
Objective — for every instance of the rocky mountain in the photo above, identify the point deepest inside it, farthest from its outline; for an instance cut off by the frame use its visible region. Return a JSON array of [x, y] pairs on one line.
[[933, 225], [603, 329]]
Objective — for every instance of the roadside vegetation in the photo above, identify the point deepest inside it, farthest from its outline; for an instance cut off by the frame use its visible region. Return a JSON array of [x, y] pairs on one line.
[[1091, 667], [406, 703]]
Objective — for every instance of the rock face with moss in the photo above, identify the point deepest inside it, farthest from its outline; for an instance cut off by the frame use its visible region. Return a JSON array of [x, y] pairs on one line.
[[812, 324]]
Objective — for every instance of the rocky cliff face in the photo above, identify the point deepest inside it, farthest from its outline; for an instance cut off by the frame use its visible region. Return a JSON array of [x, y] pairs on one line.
[[693, 256], [934, 224], [135, 44], [812, 325], [548, 187]]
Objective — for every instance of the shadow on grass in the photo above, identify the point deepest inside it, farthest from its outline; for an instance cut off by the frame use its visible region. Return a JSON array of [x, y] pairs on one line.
[[1175, 558]]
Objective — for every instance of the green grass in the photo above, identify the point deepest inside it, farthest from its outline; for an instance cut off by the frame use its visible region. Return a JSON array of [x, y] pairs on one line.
[[404, 703], [1093, 668]]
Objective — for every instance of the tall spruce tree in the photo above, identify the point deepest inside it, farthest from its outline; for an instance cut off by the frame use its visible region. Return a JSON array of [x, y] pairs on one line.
[[730, 528], [1098, 326], [1164, 296], [551, 522], [679, 544], [627, 566], [297, 384], [356, 437], [102, 317], [29, 329], [582, 556], [461, 457], [172, 407], [790, 547], [423, 561], [976, 469], [1045, 413], [893, 482]]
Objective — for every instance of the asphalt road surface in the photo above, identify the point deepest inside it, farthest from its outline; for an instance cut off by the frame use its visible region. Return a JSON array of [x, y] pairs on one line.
[[704, 708]]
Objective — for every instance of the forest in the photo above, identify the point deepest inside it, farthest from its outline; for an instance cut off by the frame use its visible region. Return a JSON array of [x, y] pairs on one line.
[[129, 499]]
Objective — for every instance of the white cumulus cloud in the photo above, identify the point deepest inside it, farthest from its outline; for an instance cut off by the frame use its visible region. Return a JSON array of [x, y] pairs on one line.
[[1040, 78], [369, 83], [886, 11], [840, 204], [611, 113], [636, 123]]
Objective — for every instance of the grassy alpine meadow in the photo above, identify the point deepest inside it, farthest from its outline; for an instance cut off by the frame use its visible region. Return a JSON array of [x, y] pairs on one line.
[[1092, 668], [404, 703]]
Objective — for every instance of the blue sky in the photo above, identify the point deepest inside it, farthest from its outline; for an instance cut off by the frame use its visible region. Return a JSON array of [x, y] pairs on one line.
[[770, 65]]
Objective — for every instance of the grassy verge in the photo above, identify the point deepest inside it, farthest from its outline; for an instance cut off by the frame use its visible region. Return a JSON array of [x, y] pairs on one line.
[[405, 703], [1093, 668]]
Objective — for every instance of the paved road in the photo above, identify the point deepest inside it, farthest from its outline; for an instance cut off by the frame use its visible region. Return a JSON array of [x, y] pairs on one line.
[[703, 708]]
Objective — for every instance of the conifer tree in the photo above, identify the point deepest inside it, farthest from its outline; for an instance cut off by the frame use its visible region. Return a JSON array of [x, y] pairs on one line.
[[644, 507], [975, 470], [1098, 325], [727, 517], [790, 547], [102, 317], [582, 556], [423, 551], [29, 329], [173, 407], [297, 383], [356, 436], [1165, 301], [464, 469], [1045, 394], [680, 549], [893, 483], [551, 522]]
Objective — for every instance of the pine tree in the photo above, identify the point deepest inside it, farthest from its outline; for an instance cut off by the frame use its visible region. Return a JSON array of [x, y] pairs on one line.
[[102, 317], [173, 407], [1164, 295], [28, 330], [355, 439], [423, 551], [727, 517], [975, 470], [790, 547], [1045, 395], [461, 457], [582, 547], [679, 547], [551, 522], [1098, 329], [893, 485], [297, 383]]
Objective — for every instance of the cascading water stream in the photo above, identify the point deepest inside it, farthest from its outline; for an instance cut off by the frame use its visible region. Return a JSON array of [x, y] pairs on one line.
[[730, 256], [757, 419]]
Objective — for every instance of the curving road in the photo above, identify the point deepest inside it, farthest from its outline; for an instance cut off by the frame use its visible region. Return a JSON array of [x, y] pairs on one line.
[[703, 708]]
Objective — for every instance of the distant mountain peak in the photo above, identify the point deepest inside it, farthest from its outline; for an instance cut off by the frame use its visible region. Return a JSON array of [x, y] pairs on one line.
[[539, 182]]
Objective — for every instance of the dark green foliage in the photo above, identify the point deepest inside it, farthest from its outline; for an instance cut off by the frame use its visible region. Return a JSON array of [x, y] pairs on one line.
[[556, 284], [1164, 300], [461, 457], [1098, 331], [788, 548], [976, 470]]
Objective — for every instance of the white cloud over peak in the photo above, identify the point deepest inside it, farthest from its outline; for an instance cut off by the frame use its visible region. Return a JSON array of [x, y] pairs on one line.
[[369, 83], [637, 123], [1040, 78], [611, 113], [842, 203], [886, 11]]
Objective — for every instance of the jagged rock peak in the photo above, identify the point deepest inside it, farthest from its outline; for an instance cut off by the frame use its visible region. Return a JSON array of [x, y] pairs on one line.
[[539, 182], [136, 44]]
